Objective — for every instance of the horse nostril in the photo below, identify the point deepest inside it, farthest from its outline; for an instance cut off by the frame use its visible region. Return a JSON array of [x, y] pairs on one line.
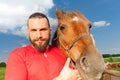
[[84, 63]]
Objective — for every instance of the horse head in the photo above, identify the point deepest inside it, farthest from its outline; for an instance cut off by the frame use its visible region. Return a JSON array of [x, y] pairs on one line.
[[74, 38]]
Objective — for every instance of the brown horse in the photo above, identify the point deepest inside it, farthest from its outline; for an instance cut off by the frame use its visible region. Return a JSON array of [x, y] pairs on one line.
[[73, 37]]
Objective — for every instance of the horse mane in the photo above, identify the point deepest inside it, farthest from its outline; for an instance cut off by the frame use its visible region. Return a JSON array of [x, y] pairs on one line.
[[55, 39]]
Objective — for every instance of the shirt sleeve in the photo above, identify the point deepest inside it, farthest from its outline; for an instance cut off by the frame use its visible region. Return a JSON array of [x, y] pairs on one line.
[[16, 68]]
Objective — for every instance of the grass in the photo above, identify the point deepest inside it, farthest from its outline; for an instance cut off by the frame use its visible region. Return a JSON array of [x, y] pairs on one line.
[[118, 69], [112, 59], [2, 73]]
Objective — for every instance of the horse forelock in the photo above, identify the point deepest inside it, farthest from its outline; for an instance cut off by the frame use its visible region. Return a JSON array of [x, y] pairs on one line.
[[67, 14], [73, 16]]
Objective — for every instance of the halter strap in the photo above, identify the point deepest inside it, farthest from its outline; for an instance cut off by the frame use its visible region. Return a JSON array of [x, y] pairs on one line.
[[67, 48]]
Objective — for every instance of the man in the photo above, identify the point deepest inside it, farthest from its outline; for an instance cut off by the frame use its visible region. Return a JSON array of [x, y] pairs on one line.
[[39, 60]]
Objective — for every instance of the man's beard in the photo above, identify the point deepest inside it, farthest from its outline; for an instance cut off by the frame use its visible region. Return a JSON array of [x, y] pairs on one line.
[[40, 48]]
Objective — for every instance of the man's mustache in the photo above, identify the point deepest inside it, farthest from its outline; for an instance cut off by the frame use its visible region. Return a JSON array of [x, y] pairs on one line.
[[41, 39]]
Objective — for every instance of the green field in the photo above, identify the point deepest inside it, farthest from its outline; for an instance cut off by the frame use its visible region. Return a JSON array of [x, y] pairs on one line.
[[112, 59], [2, 72]]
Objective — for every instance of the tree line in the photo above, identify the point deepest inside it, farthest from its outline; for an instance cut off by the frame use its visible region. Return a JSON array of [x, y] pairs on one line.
[[2, 64], [111, 55]]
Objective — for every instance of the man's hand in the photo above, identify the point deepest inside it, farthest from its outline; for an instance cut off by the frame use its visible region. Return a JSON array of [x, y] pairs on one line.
[[68, 73]]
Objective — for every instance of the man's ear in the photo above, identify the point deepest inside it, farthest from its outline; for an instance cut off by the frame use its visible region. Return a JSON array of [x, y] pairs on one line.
[[50, 31]]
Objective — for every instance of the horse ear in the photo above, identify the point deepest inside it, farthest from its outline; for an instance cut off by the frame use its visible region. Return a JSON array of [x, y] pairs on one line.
[[77, 12], [58, 13]]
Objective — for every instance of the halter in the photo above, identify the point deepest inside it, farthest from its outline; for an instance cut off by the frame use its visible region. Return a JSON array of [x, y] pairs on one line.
[[67, 48]]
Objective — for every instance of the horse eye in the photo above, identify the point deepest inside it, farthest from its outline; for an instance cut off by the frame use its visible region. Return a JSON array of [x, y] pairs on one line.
[[62, 27], [90, 26]]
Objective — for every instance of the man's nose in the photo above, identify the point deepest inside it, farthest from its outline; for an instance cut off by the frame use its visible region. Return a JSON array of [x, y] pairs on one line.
[[39, 34]]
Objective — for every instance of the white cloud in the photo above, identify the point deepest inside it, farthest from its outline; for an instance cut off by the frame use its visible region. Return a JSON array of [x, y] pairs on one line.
[[11, 10], [3, 30], [101, 24], [22, 31], [110, 51], [14, 14], [53, 22]]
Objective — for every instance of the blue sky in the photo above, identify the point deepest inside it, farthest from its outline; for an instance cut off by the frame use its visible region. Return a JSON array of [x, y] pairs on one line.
[[104, 16]]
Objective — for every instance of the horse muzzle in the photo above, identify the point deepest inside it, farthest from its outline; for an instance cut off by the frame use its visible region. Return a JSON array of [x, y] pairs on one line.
[[91, 66]]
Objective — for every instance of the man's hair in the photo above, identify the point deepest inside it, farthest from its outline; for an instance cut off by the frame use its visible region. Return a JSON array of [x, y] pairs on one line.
[[39, 15]]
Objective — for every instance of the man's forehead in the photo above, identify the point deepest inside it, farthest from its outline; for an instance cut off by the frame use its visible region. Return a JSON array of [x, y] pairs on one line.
[[37, 20]]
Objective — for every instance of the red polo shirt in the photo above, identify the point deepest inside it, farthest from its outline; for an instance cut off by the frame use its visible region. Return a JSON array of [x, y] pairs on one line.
[[28, 64]]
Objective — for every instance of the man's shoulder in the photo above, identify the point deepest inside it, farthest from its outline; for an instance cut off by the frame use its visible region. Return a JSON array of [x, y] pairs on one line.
[[19, 50]]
